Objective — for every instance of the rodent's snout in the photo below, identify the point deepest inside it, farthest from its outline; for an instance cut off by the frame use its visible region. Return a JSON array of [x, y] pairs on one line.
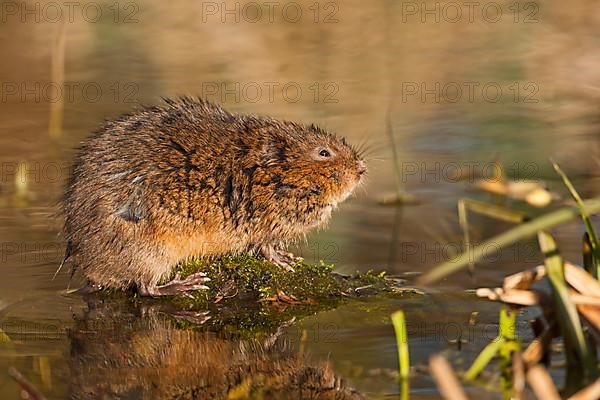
[[361, 167]]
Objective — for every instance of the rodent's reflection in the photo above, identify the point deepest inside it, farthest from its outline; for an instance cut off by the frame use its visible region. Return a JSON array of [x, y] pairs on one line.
[[138, 352]]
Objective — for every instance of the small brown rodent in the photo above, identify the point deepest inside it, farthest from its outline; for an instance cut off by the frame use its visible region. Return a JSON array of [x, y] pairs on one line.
[[189, 179]]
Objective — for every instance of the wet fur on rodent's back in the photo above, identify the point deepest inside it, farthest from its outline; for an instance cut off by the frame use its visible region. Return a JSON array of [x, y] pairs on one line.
[[188, 178]]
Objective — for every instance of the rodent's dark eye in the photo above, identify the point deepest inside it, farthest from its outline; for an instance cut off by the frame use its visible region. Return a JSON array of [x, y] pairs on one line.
[[324, 153]]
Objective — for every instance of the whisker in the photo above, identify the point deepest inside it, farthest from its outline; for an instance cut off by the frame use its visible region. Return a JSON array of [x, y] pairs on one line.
[[376, 159]]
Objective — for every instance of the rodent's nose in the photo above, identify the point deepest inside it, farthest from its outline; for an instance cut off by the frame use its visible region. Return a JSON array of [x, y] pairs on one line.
[[362, 167]]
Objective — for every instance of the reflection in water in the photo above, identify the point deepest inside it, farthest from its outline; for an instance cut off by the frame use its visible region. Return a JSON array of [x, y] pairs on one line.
[[110, 346], [124, 351]]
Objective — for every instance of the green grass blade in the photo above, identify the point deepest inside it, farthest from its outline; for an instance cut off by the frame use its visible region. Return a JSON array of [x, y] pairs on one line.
[[507, 238], [508, 324], [511, 345], [566, 312], [483, 359], [584, 213], [399, 322], [504, 345]]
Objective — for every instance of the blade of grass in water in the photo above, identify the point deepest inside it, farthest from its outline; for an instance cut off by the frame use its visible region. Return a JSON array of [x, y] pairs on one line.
[[511, 346], [568, 318], [45, 370], [504, 345], [402, 197], [584, 214], [508, 331], [483, 359], [399, 322], [507, 238]]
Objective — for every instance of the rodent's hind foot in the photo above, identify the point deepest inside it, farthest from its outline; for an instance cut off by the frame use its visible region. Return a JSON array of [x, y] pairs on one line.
[[279, 257], [176, 286]]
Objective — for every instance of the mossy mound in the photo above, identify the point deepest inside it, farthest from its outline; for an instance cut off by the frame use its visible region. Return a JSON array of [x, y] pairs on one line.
[[248, 277], [250, 297]]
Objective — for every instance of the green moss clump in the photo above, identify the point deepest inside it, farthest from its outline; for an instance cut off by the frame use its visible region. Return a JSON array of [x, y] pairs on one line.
[[246, 277], [249, 297]]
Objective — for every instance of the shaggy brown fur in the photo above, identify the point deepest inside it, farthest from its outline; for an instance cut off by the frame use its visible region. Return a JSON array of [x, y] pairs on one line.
[[188, 178]]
